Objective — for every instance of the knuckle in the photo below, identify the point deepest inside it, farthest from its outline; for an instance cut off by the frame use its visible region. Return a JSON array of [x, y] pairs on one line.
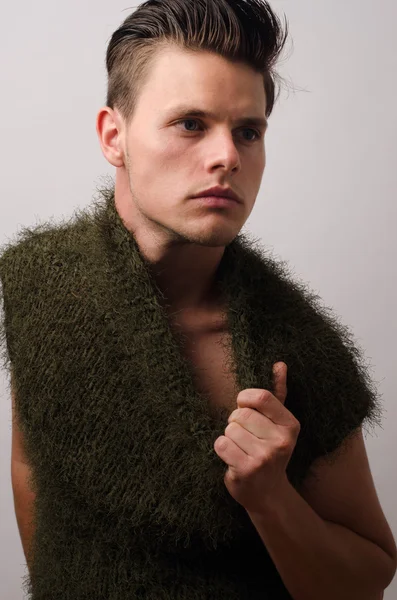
[[284, 444], [265, 395], [231, 426], [221, 443], [297, 427], [245, 413], [233, 477]]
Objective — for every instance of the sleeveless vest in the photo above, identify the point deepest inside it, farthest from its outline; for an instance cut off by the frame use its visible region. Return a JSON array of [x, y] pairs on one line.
[[130, 498]]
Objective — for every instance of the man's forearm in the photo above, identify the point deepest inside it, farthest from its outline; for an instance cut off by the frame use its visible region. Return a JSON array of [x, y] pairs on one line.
[[319, 559]]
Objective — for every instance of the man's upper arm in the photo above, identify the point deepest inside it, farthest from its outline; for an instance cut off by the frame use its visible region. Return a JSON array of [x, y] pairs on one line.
[[344, 493], [17, 447]]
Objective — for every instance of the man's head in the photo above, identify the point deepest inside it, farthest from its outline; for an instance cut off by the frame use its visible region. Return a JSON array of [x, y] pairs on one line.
[[171, 57]]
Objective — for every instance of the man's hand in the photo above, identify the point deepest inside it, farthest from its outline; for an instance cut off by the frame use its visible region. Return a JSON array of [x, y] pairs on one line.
[[258, 443]]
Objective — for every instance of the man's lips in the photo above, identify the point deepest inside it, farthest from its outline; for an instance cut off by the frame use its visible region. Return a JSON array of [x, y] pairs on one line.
[[216, 201], [219, 191]]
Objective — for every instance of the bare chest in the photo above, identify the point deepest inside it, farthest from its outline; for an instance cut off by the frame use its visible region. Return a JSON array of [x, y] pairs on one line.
[[209, 361]]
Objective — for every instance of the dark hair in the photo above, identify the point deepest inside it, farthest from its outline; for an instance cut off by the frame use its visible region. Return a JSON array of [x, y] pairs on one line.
[[239, 30]]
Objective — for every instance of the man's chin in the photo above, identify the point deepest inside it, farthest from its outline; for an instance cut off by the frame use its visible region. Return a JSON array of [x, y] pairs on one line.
[[210, 235], [213, 239]]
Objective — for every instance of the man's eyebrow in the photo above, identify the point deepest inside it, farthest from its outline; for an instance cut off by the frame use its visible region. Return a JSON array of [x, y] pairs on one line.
[[191, 111]]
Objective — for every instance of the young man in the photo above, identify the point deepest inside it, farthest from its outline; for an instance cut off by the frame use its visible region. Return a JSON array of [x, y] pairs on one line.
[[190, 90]]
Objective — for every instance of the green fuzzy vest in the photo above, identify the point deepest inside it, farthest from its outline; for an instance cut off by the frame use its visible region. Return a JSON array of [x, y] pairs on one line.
[[130, 497]]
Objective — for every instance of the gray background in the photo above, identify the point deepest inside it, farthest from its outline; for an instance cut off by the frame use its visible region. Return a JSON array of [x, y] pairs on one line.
[[328, 200]]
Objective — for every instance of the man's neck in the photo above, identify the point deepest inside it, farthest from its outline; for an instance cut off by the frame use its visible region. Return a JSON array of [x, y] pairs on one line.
[[185, 273]]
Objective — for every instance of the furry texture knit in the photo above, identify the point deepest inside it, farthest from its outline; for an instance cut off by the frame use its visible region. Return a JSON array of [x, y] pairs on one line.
[[130, 498]]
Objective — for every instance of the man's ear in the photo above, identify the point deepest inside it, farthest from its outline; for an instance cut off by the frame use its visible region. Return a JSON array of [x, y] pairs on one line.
[[109, 127]]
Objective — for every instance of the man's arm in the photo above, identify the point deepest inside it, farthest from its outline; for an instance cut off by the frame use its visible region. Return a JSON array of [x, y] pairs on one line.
[[23, 505], [20, 477], [331, 540]]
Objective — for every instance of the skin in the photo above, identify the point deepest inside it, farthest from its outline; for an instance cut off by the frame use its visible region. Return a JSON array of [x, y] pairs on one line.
[[162, 161], [258, 443]]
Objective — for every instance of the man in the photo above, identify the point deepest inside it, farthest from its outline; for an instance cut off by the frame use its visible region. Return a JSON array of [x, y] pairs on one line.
[[188, 145]]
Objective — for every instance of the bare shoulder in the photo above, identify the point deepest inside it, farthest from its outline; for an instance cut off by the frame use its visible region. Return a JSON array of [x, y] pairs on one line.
[[344, 493]]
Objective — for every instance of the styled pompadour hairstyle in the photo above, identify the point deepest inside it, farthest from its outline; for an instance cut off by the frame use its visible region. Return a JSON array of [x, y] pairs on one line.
[[245, 31]]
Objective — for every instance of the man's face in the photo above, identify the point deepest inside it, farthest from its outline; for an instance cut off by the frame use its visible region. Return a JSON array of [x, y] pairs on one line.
[[171, 156]]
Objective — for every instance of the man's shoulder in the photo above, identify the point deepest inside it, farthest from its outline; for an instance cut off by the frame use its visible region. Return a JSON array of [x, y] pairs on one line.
[[45, 244]]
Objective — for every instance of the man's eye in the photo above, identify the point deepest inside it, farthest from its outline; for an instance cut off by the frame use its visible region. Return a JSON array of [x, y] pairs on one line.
[[188, 121], [257, 135]]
